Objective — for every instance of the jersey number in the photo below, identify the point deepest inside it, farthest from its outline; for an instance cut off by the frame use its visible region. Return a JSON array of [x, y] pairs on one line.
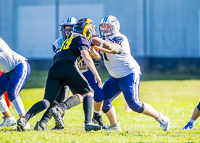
[[66, 43]]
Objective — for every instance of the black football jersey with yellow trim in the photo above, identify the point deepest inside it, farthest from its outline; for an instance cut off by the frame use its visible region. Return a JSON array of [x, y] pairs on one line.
[[71, 48]]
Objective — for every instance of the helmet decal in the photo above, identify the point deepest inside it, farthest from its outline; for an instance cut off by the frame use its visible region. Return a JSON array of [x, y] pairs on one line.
[[87, 33], [105, 19], [69, 19], [85, 27]]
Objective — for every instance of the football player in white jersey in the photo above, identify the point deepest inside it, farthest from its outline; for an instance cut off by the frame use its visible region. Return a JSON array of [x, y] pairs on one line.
[[125, 74], [16, 71]]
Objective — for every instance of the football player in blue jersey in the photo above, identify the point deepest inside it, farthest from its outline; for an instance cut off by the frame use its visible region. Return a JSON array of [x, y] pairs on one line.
[[16, 71], [125, 74], [195, 116], [64, 71], [66, 29]]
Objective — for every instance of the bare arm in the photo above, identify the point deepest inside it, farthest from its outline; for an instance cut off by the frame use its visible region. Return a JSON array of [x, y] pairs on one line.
[[89, 62], [107, 47]]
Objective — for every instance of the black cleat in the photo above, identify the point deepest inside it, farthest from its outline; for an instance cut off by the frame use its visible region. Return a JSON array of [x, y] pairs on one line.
[[56, 128], [91, 126], [97, 119], [56, 113], [21, 124], [40, 126]]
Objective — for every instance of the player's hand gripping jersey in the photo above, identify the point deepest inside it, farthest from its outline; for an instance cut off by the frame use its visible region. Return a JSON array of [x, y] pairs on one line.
[[8, 58], [120, 65]]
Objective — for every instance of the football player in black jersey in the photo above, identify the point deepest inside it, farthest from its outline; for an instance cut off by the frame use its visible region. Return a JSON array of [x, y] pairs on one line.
[[65, 71], [66, 29], [67, 24]]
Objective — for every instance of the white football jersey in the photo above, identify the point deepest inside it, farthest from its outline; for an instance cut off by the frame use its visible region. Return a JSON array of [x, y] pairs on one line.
[[8, 58], [120, 65]]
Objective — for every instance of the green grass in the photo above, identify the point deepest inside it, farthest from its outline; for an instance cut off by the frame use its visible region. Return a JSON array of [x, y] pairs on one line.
[[174, 98], [37, 79]]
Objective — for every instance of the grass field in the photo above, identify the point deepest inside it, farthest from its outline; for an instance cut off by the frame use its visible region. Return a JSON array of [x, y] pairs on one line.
[[174, 96]]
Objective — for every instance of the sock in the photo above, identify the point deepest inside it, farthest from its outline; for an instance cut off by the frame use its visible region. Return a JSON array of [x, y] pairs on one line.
[[3, 105], [70, 102], [35, 109], [19, 105], [192, 121], [87, 107], [97, 112], [159, 118], [46, 116]]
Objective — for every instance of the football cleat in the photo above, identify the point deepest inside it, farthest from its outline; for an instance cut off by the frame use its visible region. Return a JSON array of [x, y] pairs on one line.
[[189, 126], [40, 126], [56, 113], [21, 123], [90, 126], [27, 126], [164, 122], [115, 127], [97, 119], [56, 128], [8, 122]]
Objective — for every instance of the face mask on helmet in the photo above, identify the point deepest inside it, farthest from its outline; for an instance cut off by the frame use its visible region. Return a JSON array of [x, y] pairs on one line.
[[109, 25], [84, 29], [69, 21]]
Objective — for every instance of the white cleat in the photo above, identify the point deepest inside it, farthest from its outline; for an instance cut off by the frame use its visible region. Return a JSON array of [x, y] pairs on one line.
[[27, 126], [8, 122], [164, 122], [115, 127]]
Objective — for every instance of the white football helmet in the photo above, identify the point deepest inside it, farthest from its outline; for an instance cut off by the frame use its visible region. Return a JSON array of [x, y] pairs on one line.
[[113, 24], [69, 21]]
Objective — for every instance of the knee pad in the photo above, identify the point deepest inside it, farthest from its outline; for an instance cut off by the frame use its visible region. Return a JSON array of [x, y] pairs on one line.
[[136, 109], [141, 109], [98, 95], [198, 106], [105, 110], [106, 106], [98, 98]]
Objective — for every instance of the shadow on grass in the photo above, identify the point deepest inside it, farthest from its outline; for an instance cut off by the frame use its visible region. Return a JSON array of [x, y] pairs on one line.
[[4, 129]]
